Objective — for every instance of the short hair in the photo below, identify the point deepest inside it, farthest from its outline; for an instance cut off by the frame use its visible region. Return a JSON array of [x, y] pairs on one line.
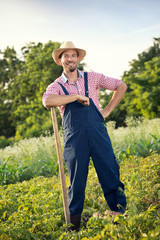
[[64, 51]]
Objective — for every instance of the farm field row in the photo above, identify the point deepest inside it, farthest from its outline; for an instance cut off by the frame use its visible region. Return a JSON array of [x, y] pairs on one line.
[[33, 209]]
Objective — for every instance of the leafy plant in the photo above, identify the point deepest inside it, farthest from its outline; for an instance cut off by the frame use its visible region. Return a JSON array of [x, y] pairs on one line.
[[34, 209]]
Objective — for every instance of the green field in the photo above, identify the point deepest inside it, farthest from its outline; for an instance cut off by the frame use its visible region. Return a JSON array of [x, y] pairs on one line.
[[31, 199]]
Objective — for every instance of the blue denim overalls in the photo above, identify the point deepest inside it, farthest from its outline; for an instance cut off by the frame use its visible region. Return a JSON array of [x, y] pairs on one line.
[[86, 136]]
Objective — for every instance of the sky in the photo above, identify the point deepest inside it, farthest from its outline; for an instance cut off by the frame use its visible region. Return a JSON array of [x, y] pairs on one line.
[[113, 32]]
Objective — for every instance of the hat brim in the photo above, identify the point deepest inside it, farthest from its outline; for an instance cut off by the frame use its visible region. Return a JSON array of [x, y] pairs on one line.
[[56, 53]]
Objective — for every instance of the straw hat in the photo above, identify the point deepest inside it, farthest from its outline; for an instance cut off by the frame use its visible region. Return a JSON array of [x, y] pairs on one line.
[[67, 46]]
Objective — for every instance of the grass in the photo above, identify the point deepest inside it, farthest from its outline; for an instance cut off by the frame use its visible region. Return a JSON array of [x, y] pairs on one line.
[[35, 157], [27, 159], [141, 137]]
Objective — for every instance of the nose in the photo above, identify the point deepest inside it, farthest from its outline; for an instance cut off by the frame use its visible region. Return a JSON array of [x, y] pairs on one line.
[[70, 58]]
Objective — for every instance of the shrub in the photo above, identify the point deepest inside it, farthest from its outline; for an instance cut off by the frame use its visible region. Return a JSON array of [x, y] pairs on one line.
[[4, 142]]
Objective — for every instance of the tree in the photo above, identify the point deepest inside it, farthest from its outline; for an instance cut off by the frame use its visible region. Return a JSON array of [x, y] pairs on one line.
[[147, 89], [142, 97], [9, 69], [39, 70]]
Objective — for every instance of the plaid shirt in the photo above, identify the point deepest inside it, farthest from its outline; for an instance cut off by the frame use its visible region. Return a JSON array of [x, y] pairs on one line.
[[95, 81]]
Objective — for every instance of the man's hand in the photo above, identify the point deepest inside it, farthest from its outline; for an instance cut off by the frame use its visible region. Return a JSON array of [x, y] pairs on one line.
[[84, 100], [116, 98], [105, 113]]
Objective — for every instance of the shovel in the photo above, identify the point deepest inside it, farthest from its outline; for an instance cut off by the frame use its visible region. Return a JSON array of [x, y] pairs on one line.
[[61, 166]]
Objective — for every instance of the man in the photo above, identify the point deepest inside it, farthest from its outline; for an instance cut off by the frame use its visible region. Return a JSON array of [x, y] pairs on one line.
[[76, 95]]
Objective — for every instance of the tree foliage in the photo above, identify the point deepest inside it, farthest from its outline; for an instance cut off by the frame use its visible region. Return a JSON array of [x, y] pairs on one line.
[[9, 69], [142, 97], [22, 90], [39, 70]]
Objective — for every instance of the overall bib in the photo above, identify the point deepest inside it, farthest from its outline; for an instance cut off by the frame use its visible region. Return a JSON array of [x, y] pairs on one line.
[[86, 136]]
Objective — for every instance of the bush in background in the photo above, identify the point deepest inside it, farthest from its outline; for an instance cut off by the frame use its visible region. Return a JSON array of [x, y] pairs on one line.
[[4, 142]]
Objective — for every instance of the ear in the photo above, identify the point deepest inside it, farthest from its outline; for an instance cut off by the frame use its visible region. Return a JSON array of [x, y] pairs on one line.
[[59, 61]]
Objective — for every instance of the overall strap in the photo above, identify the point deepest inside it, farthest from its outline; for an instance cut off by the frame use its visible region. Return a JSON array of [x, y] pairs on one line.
[[86, 83], [64, 89]]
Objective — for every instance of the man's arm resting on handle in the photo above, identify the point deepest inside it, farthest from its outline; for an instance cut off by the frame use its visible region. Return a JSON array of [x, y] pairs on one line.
[[116, 98], [58, 100]]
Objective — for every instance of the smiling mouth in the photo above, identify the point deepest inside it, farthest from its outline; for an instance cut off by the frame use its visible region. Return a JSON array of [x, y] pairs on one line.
[[71, 66], [71, 63]]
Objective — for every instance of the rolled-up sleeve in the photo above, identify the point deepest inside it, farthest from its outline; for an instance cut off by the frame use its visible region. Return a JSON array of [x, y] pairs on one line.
[[53, 88], [108, 82]]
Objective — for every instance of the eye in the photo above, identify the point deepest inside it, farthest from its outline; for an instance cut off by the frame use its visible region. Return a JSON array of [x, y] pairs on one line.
[[65, 56]]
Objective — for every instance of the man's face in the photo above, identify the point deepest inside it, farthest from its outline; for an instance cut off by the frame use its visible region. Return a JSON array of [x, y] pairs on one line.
[[69, 60]]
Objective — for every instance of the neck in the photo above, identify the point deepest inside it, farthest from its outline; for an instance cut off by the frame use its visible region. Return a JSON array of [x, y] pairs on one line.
[[72, 76]]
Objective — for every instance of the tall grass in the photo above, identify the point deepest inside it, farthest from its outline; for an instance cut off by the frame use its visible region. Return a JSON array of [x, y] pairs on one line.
[[34, 157], [141, 137], [28, 158]]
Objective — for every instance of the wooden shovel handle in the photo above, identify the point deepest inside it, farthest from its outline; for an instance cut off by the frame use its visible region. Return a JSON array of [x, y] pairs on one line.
[[61, 166]]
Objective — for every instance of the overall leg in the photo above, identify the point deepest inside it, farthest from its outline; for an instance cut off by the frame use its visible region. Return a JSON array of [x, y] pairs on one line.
[[107, 169], [76, 155]]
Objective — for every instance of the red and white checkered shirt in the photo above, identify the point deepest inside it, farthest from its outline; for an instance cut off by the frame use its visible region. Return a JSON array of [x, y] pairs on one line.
[[95, 81]]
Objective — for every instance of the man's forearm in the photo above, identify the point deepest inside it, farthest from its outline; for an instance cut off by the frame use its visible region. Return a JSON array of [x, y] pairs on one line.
[[116, 98], [58, 100]]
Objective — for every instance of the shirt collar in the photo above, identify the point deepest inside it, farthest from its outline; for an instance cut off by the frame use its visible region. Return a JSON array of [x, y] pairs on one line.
[[65, 79]]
